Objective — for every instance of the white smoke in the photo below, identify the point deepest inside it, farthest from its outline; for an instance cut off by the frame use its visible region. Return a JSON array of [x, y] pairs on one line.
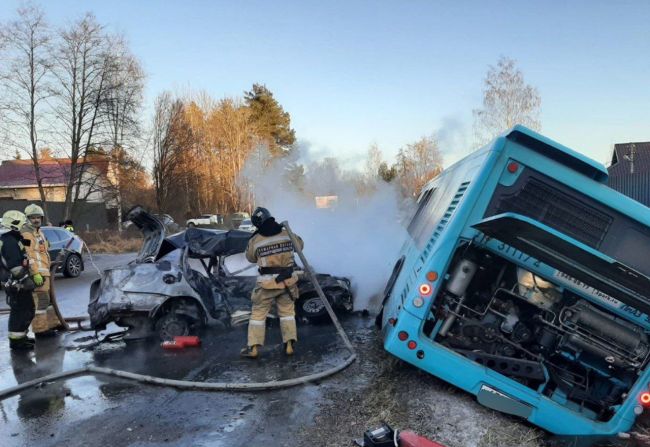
[[358, 238], [453, 139]]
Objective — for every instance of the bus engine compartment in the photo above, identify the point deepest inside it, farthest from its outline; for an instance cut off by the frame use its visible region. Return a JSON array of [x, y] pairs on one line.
[[541, 335]]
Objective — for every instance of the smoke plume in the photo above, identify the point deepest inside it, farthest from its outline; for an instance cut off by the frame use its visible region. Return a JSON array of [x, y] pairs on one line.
[[358, 236]]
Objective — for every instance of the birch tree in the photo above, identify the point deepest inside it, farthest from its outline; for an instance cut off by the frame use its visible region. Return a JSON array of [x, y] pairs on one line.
[[25, 87], [417, 163], [507, 100], [374, 159]]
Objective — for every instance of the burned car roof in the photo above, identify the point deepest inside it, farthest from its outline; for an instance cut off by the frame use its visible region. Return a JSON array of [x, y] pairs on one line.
[[203, 243]]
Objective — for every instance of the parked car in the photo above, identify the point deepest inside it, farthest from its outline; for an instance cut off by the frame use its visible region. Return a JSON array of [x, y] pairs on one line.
[[246, 225], [160, 291], [235, 219], [205, 220], [68, 245]]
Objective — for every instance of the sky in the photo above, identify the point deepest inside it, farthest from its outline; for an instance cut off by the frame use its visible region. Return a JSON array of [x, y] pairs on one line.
[[354, 73]]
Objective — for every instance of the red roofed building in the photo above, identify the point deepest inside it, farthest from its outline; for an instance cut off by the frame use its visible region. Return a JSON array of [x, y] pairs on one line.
[[97, 180]]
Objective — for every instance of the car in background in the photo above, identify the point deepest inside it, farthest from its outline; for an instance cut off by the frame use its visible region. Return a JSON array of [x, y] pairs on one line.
[[246, 225], [235, 219], [67, 245], [205, 220]]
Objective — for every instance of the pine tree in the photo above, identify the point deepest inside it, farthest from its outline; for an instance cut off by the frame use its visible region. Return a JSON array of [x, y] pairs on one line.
[[272, 123]]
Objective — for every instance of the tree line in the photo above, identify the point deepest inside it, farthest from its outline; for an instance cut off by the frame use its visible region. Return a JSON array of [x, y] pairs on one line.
[[200, 146]]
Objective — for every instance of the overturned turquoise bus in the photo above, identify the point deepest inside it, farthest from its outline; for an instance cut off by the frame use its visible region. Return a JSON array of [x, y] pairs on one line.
[[525, 280]]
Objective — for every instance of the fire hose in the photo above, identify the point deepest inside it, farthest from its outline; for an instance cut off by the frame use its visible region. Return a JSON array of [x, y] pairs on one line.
[[211, 386]]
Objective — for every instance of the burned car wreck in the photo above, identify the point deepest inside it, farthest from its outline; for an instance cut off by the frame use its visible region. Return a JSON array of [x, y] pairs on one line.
[[179, 284]]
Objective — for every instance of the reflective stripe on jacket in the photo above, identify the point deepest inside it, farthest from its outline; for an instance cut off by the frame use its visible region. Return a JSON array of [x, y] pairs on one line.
[[271, 251], [37, 251]]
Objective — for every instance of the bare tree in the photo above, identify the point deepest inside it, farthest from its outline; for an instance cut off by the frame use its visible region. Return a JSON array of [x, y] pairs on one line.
[[121, 107], [167, 111], [124, 94], [25, 86], [82, 69], [374, 159], [418, 163], [507, 100]]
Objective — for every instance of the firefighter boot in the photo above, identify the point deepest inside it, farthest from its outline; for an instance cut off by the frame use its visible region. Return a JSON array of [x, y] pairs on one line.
[[23, 343], [250, 352], [46, 334], [289, 347]]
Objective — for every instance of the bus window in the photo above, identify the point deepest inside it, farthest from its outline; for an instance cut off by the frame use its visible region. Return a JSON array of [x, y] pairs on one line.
[[417, 217], [433, 206]]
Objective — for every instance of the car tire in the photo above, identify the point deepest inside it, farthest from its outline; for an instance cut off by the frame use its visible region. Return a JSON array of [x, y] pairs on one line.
[[312, 308], [190, 225], [72, 266], [171, 325]]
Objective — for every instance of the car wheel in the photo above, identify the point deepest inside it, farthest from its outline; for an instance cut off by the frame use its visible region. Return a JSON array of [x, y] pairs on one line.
[[171, 325], [190, 225], [312, 308], [72, 266]]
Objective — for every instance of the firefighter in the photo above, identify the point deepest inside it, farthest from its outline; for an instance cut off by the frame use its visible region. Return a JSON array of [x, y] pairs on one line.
[[45, 320], [14, 273], [67, 225], [271, 248]]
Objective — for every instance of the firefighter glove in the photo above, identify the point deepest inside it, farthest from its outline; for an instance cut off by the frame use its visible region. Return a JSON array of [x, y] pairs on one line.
[[38, 279]]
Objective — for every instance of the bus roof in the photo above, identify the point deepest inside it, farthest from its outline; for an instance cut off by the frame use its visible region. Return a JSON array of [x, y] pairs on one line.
[[558, 152]]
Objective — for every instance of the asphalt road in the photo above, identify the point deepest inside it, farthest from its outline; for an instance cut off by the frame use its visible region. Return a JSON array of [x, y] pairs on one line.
[[92, 410]]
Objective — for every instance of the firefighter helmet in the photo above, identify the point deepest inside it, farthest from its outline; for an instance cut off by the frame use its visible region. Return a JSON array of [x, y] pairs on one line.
[[14, 220], [260, 215], [34, 210]]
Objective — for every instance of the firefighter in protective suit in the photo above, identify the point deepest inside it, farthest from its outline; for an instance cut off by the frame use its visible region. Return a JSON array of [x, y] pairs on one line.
[[45, 320], [14, 274], [271, 248]]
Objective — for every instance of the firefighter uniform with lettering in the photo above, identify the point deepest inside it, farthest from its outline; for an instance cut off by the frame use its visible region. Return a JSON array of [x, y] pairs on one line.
[[15, 277], [271, 248], [45, 320]]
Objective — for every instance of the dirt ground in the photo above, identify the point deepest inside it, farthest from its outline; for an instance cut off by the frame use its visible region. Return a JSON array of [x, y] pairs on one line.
[[109, 241], [382, 388]]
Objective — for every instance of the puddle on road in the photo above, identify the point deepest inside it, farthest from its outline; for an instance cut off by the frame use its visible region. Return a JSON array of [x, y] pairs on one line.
[[38, 413]]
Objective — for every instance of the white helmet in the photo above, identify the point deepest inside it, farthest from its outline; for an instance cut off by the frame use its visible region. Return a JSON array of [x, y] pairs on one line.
[[14, 220], [34, 210]]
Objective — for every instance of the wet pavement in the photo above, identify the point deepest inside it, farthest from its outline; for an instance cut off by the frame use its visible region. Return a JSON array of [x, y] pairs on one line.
[[94, 410]]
